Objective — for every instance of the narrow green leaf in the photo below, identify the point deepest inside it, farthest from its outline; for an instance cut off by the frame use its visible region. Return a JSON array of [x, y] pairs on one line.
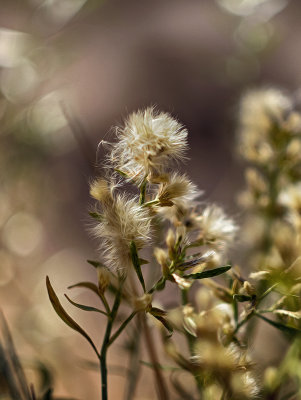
[[87, 285], [136, 263], [142, 191], [208, 274], [165, 323], [157, 312], [85, 308], [123, 174], [95, 215], [143, 261], [268, 291], [160, 285], [94, 263], [242, 297], [278, 325], [64, 316]]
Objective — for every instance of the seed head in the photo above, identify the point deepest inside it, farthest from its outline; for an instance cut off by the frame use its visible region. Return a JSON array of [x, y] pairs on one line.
[[123, 220], [147, 143], [216, 228]]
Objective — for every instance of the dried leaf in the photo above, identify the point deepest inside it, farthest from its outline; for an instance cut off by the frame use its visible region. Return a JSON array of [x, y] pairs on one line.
[[157, 312], [83, 307], [165, 323], [242, 297], [64, 316], [94, 263], [284, 328], [88, 285]]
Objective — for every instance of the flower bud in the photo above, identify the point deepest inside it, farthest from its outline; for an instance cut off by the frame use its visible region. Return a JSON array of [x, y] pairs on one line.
[[103, 275], [142, 303]]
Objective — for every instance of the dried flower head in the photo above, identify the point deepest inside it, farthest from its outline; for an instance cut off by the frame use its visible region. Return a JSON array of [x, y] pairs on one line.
[[179, 190], [123, 220], [260, 111], [216, 228], [147, 143]]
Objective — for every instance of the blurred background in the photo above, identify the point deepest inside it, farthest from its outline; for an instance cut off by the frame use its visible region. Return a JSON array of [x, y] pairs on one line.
[[69, 71]]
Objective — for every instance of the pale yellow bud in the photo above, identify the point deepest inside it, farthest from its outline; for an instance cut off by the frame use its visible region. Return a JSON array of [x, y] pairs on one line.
[[142, 303], [255, 180], [293, 122], [99, 190], [162, 258], [104, 278], [170, 239], [160, 255], [270, 378], [247, 289], [293, 150]]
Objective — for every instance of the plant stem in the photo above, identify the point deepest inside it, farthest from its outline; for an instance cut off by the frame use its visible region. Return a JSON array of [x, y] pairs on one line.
[[121, 328], [190, 340], [105, 344], [161, 387]]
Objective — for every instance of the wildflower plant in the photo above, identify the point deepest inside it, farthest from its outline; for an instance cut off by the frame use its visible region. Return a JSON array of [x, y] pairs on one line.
[[147, 212]]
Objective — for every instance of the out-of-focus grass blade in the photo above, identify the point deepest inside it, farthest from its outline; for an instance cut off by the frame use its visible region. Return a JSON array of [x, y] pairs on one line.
[[11, 362]]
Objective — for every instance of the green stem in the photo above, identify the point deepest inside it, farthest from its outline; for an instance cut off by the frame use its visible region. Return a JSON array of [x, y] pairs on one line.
[[241, 323], [190, 341], [105, 344], [121, 328], [105, 303], [151, 203], [157, 285]]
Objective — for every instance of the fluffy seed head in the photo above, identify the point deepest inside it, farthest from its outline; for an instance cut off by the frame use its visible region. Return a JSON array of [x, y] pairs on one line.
[[177, 190], [216, 228], [260, 111], [146, 144], [99, 190], [123, 221]]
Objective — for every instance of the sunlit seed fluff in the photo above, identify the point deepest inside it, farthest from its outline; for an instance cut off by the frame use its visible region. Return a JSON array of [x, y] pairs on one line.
[[244, 385], [147, 142], [290, 198], [99, 190], [123, 221], [259, 108], [216, 228], [259, 111], [178, 189], [180, 196]]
